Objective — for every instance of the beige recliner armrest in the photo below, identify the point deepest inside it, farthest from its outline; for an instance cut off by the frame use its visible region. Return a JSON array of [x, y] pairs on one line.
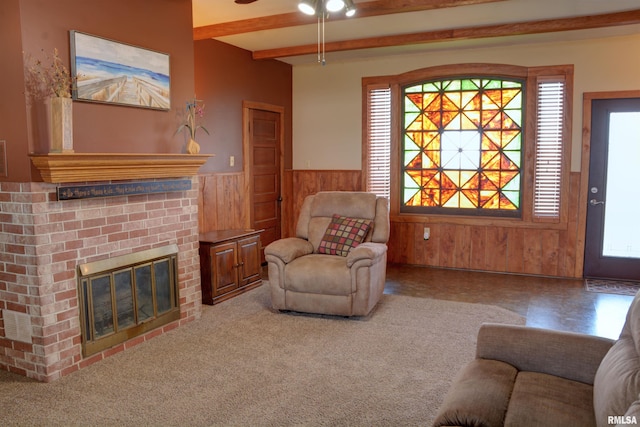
[[564, 354], [366, 251], [288, 249]]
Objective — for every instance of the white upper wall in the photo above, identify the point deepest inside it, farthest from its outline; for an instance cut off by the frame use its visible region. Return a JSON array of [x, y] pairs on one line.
[[327, 100]]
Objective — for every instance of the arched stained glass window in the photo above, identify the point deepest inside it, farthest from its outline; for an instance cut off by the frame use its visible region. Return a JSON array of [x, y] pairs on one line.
[[462, 146]]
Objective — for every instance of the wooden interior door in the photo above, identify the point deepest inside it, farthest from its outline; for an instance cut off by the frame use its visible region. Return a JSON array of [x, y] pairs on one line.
[[264, 173]]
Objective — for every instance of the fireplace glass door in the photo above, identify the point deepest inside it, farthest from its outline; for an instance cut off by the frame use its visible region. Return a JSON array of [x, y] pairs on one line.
[[126, 300]]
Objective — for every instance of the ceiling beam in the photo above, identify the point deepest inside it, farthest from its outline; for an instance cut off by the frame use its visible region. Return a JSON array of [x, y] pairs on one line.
[[367, 9], [468, 33]]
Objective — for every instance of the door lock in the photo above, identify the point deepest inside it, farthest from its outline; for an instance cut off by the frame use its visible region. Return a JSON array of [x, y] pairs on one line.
[[594, 202]]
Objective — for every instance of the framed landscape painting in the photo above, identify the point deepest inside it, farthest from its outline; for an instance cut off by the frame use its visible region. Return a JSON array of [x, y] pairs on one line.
[[111, 72]]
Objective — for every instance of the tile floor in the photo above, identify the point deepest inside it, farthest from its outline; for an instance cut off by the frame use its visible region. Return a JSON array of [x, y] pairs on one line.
[[562, 304]]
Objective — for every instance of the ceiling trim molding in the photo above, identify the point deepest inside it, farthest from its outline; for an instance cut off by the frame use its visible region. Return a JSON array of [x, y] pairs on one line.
[[486, 31], [367, 9]]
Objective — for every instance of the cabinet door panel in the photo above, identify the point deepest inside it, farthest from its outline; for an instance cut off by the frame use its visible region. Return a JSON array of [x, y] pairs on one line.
[[249, 257], [224, 261]]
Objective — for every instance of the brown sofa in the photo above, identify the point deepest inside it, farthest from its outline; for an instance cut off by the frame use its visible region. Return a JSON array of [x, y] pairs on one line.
[[525, 376], [349, 283]]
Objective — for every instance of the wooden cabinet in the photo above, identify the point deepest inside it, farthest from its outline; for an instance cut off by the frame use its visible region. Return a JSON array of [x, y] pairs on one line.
[[229, 263]]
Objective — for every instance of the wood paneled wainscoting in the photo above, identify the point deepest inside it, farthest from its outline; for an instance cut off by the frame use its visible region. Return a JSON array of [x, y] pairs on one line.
[[223, 197], [536, 249], [544, 249], [483, 248], [298, 184], [221, 203]]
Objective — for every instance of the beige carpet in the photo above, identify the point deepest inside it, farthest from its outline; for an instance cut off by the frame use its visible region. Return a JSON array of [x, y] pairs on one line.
[[243, 364]]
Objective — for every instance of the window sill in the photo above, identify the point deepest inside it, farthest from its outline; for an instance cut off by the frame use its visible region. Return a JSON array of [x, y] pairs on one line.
[[476, 221]]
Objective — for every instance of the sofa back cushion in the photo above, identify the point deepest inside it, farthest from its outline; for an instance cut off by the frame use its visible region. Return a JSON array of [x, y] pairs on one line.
[[318, 209], [616, 388]]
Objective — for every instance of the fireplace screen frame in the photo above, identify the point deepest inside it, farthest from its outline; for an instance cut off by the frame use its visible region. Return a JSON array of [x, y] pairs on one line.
[[156, 307]]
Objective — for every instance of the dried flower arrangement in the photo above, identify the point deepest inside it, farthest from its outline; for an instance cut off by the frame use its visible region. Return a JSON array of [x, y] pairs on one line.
[[53, 79], [195, 110]]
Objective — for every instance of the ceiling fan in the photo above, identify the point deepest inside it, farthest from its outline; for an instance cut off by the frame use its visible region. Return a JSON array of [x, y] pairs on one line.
[[244, 1]]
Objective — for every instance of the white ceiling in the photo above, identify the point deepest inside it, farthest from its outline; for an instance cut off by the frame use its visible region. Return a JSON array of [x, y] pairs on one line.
[[208, 12]]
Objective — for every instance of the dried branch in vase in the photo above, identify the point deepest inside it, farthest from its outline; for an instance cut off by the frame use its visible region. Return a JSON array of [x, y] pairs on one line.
[[48, 78]]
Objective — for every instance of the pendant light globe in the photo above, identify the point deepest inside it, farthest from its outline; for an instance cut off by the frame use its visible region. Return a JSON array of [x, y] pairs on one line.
[[334, 5], [350, 8], [308, 7]]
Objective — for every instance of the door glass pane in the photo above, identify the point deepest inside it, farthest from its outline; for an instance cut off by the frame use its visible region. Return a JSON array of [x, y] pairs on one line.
[[124, 299], [163, 285], [144, 294], [102, 307], [622, 208]]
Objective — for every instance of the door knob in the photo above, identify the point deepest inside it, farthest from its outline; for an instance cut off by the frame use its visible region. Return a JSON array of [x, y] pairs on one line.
[[594, 202]]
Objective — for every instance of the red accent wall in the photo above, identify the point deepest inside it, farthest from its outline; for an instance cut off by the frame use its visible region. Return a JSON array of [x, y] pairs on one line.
[[13, 114], [37, 26], [225, 76]]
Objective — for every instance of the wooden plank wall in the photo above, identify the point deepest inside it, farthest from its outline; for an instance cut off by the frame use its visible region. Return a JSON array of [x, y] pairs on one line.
[[536, 251], [298, 184], [221, 202], [524, 250]]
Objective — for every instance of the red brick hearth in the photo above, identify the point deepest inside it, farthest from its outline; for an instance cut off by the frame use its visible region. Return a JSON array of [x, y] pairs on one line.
[[43, 241]]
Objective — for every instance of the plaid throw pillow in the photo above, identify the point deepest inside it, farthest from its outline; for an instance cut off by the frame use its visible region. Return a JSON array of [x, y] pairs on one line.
[[343, 234]]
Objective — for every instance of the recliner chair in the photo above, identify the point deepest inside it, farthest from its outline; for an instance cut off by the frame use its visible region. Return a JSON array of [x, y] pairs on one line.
[[325, 269]]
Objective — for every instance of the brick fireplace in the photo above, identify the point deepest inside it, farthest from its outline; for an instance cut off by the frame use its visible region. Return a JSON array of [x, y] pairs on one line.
[[42, 243]]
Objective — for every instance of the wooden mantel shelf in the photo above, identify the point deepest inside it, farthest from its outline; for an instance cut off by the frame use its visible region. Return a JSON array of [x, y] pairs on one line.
[[83, 167]]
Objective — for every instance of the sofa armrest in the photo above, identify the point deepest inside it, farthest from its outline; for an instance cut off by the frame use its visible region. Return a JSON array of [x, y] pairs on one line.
[[564, 354], [478, 396], [366, 251], [288, 249]]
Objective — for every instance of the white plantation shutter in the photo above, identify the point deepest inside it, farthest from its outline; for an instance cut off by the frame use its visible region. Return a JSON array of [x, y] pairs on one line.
[[379, 141], [548, 161]]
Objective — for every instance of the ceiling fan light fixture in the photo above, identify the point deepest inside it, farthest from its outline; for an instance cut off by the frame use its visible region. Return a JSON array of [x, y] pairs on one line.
[[322, 9], [334, 5], [308, 7]]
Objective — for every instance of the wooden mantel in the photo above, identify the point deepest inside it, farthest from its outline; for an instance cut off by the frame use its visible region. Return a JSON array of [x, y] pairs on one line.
[[83, 167]]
